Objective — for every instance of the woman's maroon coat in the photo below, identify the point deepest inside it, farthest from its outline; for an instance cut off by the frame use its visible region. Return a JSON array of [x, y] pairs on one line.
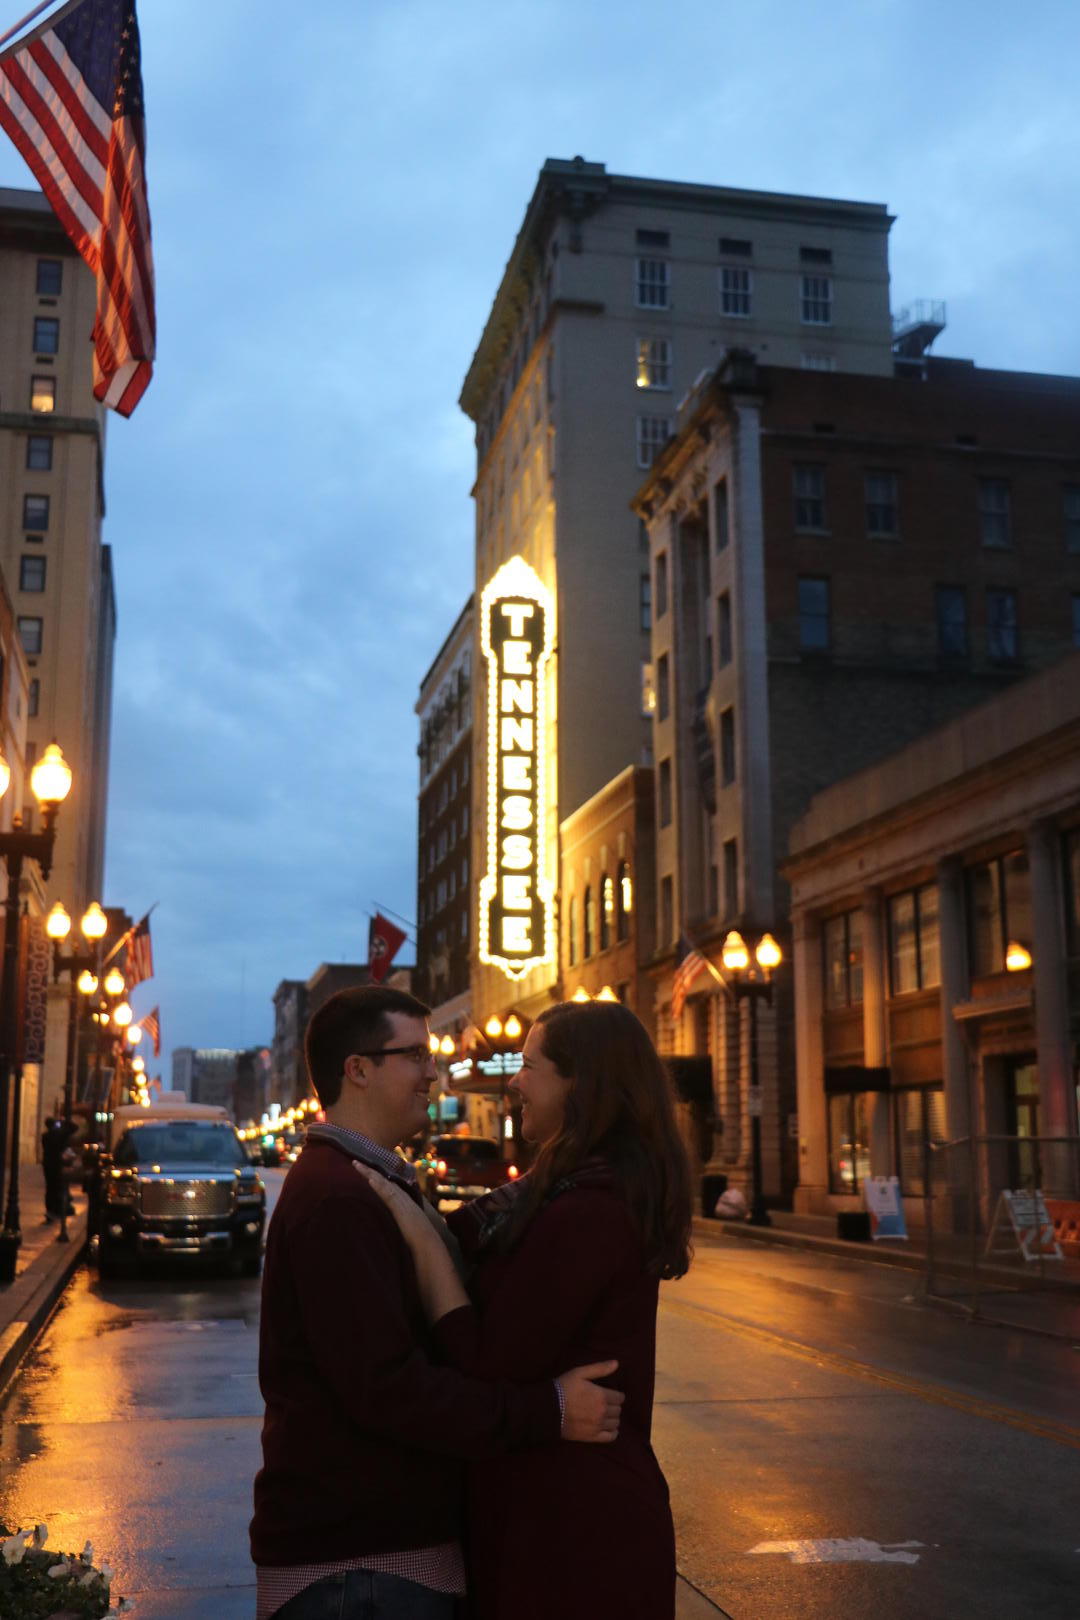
[[570, 1531]]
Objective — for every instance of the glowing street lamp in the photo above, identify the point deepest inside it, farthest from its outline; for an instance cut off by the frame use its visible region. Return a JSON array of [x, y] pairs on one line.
[[753, 982], [1017, 957]]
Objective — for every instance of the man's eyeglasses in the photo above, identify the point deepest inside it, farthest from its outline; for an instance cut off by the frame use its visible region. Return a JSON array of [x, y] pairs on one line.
[[415, 1054]]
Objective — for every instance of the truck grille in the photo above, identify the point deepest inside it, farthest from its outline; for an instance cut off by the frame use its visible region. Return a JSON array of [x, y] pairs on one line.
[[186, 1200]]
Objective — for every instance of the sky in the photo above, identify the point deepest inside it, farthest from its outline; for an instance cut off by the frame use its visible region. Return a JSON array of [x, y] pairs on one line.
[[335, 190]]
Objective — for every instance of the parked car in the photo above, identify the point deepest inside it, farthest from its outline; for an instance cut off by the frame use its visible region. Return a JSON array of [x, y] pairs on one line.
[[457, 1168], [178, 1183]]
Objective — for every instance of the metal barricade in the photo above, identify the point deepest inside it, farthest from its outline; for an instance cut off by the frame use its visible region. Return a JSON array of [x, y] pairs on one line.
[[987, 1200]]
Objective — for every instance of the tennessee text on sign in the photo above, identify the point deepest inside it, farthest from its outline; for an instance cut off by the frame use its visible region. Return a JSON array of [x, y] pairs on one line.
[[515, 896]]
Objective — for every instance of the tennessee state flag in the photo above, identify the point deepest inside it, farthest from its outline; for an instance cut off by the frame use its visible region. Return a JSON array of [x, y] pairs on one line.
[[384, 942]]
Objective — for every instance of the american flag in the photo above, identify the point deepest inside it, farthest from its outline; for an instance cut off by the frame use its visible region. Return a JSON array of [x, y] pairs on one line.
[[689, 964], [139, 961], [152, 1025], [71, 98]]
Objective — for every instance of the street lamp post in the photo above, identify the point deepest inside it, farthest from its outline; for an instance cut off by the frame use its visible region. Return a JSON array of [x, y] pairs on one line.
[[753, 982], [82, 970], [50, 782]]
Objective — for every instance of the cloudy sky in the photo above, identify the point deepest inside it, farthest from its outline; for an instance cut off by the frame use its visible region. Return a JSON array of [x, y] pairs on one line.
[[335, 191]]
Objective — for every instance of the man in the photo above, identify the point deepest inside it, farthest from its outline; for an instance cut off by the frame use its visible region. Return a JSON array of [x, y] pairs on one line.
[[356, 1504]]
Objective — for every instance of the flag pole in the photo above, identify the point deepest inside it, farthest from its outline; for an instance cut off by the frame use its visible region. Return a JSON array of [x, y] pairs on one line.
[[395, 914], [29, 18]]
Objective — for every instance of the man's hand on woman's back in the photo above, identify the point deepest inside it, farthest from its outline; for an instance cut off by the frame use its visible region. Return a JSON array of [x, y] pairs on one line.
[[590, 1412]]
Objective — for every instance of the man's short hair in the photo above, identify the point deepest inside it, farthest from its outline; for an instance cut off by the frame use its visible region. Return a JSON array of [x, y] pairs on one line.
[[356, 1020]]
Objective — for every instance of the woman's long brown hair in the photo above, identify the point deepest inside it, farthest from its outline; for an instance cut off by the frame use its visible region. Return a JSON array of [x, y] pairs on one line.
[[619, 1108]]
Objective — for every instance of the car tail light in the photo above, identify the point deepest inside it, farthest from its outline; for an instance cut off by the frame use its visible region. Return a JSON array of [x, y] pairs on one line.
[[513, 1172], [440, 1167]]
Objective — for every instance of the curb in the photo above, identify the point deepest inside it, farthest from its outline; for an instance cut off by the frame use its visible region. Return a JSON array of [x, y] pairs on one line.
[[27, 1304]]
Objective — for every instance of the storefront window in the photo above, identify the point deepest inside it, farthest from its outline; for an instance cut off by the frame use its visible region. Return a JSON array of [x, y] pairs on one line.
[[919, 1121], [849, 1140]]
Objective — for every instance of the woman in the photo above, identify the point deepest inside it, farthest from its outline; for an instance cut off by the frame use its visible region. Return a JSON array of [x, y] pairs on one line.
[[567, 1264]]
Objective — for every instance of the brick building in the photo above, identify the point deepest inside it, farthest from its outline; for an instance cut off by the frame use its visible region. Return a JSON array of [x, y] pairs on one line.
[[288, 1070], [840, 563]]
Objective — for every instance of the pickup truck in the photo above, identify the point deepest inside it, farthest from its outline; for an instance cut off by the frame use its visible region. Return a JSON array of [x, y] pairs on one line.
[[178, 1184]]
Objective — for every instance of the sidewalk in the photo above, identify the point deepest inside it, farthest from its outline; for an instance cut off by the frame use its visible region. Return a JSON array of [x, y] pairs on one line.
[[1045, 1301], [42, 1270]]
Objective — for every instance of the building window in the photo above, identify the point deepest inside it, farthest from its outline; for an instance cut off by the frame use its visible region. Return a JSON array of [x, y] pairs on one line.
[[914, 940], [727, 747], [736, 247], [881, 504], [999, 910], [815, 255], [661, 584], [734, 290], [646, 238], [652, 284], [723, 630], [720, 514], [607, 910], [995, 516], [571, 931], [849, 1140], [648, 691], [919, 1125], [665, 792], [843, 941], [667, 911], [815, 300], [43, 394], [645, 602], [50, 278], [1071, 506], [624, 900], [816, 361], [731, 877], [39, 448], [952, 624], [654, 362], [31, 572], [814, 615], [1002, 627], [46, 334], [30, 636], [590, 923], [809, 487], [653, 432], [33, 698], [35, 511], [663, 687]]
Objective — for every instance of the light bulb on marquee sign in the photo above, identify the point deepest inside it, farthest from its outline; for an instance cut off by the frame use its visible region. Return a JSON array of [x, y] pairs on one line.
[[516, 633]]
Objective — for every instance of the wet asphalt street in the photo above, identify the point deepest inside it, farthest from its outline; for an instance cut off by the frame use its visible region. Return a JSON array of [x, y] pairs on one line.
[[835, 1450]]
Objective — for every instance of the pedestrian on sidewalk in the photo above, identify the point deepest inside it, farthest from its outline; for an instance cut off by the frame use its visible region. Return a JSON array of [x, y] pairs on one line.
[[358, 1504], [53, 1142], [569, 1260]]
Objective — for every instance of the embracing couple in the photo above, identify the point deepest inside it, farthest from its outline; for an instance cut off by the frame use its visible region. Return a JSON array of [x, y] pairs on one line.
[[458, 1414]]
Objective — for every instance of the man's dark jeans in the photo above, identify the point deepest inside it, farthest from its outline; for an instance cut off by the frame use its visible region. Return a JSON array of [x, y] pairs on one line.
[[366, 1594]]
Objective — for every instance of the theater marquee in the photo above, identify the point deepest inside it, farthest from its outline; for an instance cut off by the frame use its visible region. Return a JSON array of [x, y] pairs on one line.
[[515, 895]]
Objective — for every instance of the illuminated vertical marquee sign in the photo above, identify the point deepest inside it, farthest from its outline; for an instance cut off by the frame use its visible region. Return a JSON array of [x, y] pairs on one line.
[[515, 895]]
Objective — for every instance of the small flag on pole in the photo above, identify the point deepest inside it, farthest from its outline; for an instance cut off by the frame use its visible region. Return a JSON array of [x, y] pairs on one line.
[[385, 939], [689, 964], [152, 1025], [139, 962], [71, 98]]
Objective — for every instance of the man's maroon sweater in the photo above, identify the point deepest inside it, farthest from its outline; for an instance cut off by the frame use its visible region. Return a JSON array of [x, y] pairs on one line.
[[359, 1420]]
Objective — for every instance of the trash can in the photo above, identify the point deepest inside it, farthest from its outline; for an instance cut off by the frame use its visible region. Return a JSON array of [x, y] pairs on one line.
[[711, 1189], [853, 1225]]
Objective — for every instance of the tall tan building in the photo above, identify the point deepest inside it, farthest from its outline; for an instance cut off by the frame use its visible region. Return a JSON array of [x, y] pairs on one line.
[[618, 293], [58, 573]]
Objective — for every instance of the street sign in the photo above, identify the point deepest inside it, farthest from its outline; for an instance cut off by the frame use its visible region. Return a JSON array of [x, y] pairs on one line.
[[886, 1207], [1022, 1218]]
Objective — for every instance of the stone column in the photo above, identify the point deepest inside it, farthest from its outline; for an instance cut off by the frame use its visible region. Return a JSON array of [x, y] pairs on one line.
[[956, 1060], [811, 1194], [1057, 1103], [875, 1032]]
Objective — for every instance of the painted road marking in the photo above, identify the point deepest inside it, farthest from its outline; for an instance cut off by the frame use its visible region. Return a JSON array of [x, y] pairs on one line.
[[848, 1550], [935, 1394]]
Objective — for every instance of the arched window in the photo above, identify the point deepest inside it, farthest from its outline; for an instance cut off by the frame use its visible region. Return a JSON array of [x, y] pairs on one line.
[[624, 901], [607, 910], [590, 922], [571, 931]]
